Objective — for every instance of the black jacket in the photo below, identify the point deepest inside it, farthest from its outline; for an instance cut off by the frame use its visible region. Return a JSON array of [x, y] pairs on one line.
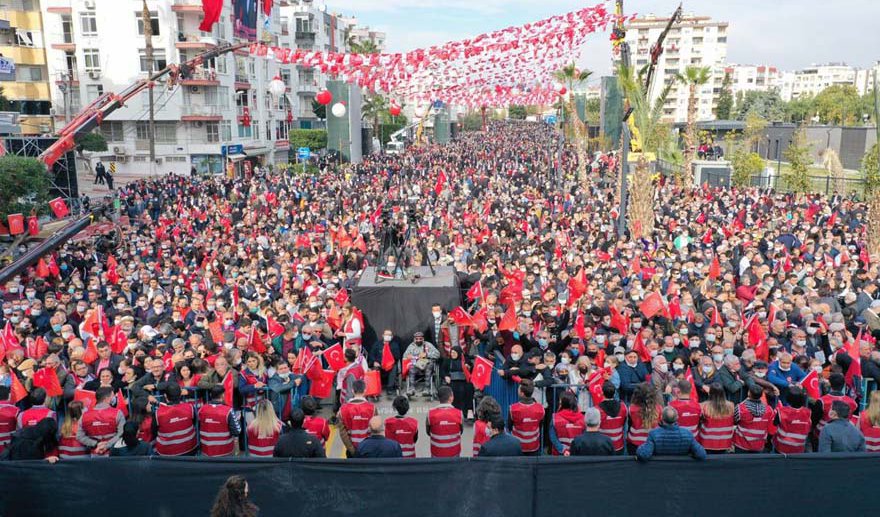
[[502, 444], [377, 446], [592, 443], [34, 442], [297, 443]]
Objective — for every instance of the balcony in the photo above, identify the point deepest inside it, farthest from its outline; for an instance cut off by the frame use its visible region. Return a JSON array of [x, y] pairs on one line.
[[304, 36], [306, 87], [187, 6], [242, 82], [194, 42], [59, 10], [66, 47], [197, 113], [201, 78], [24, 55]]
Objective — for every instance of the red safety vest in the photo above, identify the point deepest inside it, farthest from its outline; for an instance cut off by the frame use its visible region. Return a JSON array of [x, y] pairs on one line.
[[403, 430], [100, 424], [445, 431], [356, 417], [145, 431], [70, 447], [176, 434], [214, 434], [612, 426], [30, 417], [568, 425], [264, 447], [794, 426], [527, 418], [872, 434], [688, 414], [318, 427], [8, 421], [826, 407], [751, 432], [357, 373], [716, 434], [637, 435], [480, 437], [348, 329]]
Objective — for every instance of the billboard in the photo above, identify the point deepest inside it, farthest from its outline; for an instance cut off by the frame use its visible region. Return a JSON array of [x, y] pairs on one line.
[[244, 19]]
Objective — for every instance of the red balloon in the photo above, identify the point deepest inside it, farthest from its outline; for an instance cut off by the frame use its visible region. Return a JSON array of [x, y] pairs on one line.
[[562, 91], [394, 110], [324, 97]]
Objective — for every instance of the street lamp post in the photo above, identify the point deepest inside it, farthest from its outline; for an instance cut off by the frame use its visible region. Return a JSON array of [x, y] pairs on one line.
[[778, 159]]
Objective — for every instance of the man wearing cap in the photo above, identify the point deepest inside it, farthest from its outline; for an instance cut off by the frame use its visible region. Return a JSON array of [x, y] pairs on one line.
[[591, 442], [422, 355]]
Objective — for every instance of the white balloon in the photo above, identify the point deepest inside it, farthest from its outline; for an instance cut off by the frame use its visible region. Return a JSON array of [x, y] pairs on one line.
[[420, 111], [338, 110]]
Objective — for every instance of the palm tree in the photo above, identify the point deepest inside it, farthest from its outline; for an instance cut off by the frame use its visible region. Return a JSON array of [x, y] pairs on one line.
[[649, 135], [575, 129], [372, 109], [694, 76], [366, 46], [5, 104]]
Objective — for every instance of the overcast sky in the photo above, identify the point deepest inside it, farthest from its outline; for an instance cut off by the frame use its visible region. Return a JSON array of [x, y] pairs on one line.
[[789, 34]]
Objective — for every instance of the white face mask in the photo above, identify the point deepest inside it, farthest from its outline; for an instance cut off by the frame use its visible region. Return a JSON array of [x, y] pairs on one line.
[[387, 337], [437, 315], [710, 338], [566, 360], [760, 375], [817, 368], [668, 349], [515, 357], [811, 330], [663, 368]]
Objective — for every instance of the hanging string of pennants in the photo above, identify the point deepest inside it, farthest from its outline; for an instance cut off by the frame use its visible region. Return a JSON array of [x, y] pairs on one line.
[[496, 69]]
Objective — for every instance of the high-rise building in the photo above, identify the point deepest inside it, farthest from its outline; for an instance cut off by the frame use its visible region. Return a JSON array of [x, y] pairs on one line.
[[359, 34], [222, 113], [865, 78], [696, 41], [746, 78], [23, 74], [809, 81]]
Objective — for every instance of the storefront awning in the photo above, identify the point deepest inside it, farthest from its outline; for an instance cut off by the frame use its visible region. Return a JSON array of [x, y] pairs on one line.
[[236, 157]]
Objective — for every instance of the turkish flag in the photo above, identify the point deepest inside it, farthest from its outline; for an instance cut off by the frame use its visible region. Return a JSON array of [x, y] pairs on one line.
[[216, 329], [595, 382], [508, 321], [17, 391], [460, 317], [689, 375], [267, 7], [59, 207], [640, 348], [37, 348], [577, 286], [373, 380], [482, 373], [117, 339], [387, 357], [441, 181], [121, 403], [481, 322], [8, 337], [47, 379], [86, 397], [810, 383], [322, 386], [716, 318], [91, 354], [53, 266], [637, 264], [341, 297], [42, 269], [33, 225], [475, 292], [212, 10], [16, 224], [275, 328], [651, 305], [255, 342], [335, 357], [714, 268], [405, 365], [618, 321]]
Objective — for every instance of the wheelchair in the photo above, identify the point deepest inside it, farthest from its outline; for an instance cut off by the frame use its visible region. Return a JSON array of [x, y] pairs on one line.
[[429, 383]]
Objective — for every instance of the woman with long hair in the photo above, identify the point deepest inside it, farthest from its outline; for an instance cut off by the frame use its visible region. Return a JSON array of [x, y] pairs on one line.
[[263, 432], [644, 414], [142, 415], [68, 445], [716, 422], [869, 423], [232, 500], [487, 409], [253, 379], [131, 445]]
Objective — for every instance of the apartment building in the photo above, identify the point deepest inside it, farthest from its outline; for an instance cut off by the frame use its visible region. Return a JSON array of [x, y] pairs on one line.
[[746, 78]]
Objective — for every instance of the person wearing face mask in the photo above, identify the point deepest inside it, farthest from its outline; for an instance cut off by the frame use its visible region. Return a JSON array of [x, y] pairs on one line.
[[517, 366], [284, 389], [380, 360], [783, 373], [632, 373], [660, 374]]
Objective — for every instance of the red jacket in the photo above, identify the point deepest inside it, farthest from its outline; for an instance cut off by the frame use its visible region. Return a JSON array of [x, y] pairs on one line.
[[871, 432], [8, 422], [355, 416], [262, 447], [716, 434], [637, 434], [100, 424], [318, 427], [612, 426], [751, 430], [568, 425]]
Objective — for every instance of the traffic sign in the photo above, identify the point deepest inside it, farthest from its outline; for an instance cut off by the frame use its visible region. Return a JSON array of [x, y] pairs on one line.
[[227, 150], [550, 119], [303, 153]]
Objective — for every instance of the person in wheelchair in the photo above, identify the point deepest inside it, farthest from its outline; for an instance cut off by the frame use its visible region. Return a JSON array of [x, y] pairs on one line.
[[423, 356]]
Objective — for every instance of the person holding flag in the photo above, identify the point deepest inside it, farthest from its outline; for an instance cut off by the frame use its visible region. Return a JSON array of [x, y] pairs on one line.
[[455, 372], [385, 356]]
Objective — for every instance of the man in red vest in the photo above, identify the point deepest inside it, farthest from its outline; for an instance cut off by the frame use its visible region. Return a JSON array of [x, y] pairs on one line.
[[444, 426], [524, 419], [354, 418], [793, 423], [37, 411], [689, 411], [176, 434], [401, 428], [101, 426], [8, 418], [838, 385], [218, 426], [754, 421]]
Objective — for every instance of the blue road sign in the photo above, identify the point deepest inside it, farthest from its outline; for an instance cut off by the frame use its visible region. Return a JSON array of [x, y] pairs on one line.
[[226, 150], [550, 119], [303, 153]]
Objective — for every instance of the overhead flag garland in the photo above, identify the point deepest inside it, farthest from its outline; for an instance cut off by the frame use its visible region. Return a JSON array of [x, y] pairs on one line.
[[508, 66]]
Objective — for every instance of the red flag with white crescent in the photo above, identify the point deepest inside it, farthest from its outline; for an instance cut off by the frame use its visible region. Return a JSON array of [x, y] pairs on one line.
[[481, 376]]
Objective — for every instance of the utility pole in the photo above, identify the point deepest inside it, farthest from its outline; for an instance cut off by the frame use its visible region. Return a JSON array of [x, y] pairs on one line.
[[624, 130], [148, 51]]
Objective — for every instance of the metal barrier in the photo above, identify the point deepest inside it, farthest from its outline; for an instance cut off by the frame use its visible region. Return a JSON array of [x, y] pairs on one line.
[[827, 184]]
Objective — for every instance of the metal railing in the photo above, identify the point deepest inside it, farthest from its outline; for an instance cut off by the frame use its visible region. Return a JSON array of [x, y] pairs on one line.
[[826, 184]]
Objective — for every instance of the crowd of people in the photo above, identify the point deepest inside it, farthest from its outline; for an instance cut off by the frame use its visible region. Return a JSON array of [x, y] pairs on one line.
[[222, 319]]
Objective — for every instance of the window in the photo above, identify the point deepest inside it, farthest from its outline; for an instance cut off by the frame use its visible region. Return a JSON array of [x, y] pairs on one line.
[[244, 131], [213, 131], [226, 130], [142, 130], [166, 132], [28, 38], [154, 22], [223, 96], [29, 74], [67, 29], [112, 131], [159, 60], [74, 99], [70, 57], [268, 130], [89, 23], [221, 65], [93, 91], [92, 60]]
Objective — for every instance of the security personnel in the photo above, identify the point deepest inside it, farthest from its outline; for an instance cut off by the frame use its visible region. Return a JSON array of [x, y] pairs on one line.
[[689, 411], [101, 426], [176, 434], [525, 417], [296, 442], [444, 426], [218, 426], [838, 383], [401, 428], [754, 421], [264, 432], [38, 411], [8, 418], [313, 423], [793, 423], [613, 415], [354, 417], [568, 423]]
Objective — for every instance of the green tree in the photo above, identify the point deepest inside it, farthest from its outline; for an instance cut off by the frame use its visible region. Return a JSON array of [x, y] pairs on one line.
[[372, 109], [515, 112], [472, 121], [93, 142], [768, 105], [754, 130], [362, 47], [593, 108], [839, 104], [5, 103], [871, 169], [745, 165], [319, 109], [24, 185], [799, 159], [693, 77], [725, 100], [800, 110], [311, 138]]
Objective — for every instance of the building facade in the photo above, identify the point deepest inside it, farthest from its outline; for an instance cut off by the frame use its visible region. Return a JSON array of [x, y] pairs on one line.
[[23, 73], [747, 78], [810, 81], [696, 41], [865, 78]]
